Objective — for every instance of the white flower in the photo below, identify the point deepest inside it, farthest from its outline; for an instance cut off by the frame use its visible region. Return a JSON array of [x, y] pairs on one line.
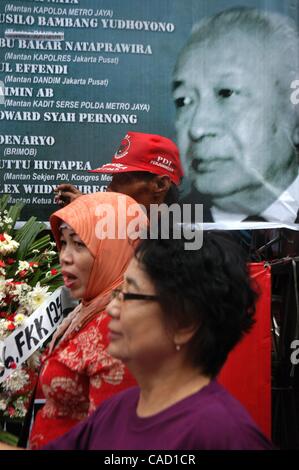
[[37, 296], [3, 328], [23, 310], [2, 405], [51, 253], [20, 292], [23, 266], [2, 289], [19, 318], [7, 220], [20, 408], [6, 324], [8, 245], [16, 381], [17, 301]]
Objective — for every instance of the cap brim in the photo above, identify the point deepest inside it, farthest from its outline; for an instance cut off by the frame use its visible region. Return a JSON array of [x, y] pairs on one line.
[[114, 168]]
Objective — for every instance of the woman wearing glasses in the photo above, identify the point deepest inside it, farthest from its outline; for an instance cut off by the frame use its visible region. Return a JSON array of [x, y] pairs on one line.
[[174, 321], [78, 373]]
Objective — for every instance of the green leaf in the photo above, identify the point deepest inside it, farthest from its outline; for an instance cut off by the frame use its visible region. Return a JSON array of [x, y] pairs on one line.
[[26, 236], [14, 212], [3, 202], [8, 438]]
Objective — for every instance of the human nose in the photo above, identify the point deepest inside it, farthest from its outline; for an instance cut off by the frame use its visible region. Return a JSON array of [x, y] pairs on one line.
[[113, 308], [65, 256], [204, 121]]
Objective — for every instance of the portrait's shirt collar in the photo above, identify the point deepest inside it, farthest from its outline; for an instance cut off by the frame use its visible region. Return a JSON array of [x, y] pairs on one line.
[[286, 207], [283, 209]]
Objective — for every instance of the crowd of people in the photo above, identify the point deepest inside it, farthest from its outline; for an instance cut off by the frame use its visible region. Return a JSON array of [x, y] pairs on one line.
[[135, 364]]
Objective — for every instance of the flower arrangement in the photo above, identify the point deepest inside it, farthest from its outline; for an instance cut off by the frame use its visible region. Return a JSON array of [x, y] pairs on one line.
[[29, 272]]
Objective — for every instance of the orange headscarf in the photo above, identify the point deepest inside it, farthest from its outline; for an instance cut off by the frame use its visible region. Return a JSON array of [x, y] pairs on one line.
[[87, 215]]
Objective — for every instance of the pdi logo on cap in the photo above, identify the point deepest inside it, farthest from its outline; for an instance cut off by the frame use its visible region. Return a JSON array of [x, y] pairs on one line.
[[124, 147]]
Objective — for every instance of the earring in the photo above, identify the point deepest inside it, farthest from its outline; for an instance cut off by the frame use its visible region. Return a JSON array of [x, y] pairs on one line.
[[177, 347]]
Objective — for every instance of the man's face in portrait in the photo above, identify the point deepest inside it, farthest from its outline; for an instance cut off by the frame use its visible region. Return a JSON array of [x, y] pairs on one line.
[[234, 124]]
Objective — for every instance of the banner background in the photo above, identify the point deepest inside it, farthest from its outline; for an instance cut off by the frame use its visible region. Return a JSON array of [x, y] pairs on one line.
[[247, 372], [139, 83]]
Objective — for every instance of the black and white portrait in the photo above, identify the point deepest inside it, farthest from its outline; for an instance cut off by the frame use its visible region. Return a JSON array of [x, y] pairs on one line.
[[237, 127]]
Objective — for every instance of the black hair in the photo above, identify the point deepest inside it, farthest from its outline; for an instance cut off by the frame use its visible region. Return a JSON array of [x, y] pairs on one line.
[[208, 289]]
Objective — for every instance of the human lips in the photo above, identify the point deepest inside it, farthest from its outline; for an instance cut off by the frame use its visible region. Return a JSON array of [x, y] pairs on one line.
[[112, 336], [69, 279], [113, 333], [208, 164]]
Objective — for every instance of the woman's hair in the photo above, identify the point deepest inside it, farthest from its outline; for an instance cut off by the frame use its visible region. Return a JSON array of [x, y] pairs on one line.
[[208, 289]]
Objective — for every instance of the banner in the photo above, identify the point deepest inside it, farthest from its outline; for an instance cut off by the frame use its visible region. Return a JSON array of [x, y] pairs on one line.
[[77, 75], [29, 337], [247, 372]]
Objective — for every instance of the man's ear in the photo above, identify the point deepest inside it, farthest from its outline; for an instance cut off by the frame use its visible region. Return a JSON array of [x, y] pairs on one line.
[[162, 183]]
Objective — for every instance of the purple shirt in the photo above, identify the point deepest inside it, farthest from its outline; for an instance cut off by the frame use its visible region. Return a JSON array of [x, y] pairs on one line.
[[210, 419]]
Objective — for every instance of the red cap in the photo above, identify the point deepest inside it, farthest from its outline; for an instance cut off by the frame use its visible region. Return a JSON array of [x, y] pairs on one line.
[[145, 152]]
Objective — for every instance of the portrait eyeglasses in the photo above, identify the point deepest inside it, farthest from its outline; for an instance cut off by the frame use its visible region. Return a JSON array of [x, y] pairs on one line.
[[120, 295]]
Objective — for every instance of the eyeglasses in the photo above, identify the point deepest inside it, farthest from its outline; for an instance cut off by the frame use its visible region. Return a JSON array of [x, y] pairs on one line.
[[120, 295]]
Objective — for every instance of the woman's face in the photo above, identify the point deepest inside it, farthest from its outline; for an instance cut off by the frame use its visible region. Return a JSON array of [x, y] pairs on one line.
[[76, 263], [138, 334]]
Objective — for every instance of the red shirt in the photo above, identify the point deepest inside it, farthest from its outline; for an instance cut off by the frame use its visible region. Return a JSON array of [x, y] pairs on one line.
[[75, 378]]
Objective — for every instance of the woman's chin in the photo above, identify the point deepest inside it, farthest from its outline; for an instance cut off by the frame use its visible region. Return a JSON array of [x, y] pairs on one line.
[[114, 351], [77, 294]]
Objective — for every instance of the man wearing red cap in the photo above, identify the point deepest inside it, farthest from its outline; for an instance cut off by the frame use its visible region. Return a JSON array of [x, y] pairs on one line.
[[146, 167]]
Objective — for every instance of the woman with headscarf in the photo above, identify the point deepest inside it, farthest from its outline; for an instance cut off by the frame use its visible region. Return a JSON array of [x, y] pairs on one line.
[[77, 372]]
